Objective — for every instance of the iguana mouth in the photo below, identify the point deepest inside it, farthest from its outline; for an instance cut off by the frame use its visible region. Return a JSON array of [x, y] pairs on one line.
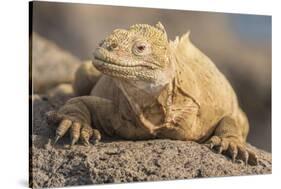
[[111, 64], [134, 73], [101, 62], [103, 57]]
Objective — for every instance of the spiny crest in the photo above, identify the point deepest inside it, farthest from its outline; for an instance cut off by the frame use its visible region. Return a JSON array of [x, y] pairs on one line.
[[157, 33], [182, 41]]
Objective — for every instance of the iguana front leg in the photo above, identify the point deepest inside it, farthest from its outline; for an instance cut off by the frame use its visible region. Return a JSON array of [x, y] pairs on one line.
[[85, 116], [76, 116], [183, 123]]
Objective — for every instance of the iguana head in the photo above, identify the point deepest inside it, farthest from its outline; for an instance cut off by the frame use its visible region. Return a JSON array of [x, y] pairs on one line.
[[140, 53]]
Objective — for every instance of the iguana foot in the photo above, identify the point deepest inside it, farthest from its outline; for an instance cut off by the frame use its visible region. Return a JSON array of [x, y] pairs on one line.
[[234, 148], [77, 130]]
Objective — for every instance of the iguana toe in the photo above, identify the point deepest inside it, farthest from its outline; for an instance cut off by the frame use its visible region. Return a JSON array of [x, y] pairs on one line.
[[86, 134], [233, 151], [63, 127], [96, 136]]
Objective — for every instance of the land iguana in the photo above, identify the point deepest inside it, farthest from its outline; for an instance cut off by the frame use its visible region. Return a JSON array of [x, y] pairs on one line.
[[150, 88]]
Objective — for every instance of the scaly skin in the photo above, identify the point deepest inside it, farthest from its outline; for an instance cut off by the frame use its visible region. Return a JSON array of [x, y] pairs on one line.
[[153, 88]]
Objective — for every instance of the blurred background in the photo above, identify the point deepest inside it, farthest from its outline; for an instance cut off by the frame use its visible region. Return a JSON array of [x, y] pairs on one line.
[[240, 45]]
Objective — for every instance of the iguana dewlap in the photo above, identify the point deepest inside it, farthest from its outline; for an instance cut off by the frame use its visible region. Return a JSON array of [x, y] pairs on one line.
[[152, 88]]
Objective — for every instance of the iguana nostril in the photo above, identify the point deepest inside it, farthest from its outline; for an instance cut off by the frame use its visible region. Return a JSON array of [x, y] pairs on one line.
[[112, 46]]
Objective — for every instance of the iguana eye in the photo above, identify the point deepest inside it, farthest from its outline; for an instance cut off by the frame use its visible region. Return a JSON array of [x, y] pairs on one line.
[[141, 48]]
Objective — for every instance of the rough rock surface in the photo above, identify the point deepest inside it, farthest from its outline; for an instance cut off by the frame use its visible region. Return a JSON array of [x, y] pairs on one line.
[[115, 161], [51, 65]]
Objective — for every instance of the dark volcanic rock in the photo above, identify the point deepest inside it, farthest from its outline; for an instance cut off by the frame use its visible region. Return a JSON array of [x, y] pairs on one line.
[[124, 161]]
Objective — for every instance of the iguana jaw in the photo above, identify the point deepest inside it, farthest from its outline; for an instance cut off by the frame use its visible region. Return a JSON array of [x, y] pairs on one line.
[[128, 68]]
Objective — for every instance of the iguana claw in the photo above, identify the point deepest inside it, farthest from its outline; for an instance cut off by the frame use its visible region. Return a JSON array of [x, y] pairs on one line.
[[57, 137]]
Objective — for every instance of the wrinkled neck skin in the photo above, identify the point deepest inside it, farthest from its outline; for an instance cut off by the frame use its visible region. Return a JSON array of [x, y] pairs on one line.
[[141, 94]]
